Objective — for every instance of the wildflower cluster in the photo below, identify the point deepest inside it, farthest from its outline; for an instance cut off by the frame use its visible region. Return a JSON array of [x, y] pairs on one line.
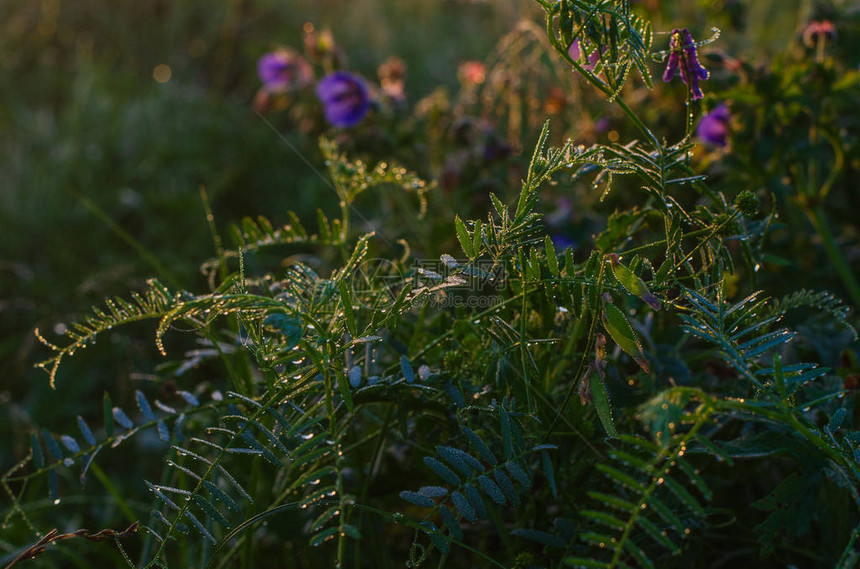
[[345, 96]]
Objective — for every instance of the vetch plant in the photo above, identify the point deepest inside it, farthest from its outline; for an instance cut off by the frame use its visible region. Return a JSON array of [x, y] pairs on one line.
[[605, 410]]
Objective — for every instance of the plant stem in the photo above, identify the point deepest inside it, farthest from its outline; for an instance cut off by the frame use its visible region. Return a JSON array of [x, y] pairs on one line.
[[819, 222]]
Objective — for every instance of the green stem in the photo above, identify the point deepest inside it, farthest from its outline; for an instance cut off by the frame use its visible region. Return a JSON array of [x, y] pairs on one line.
[[102, 215], [819, 222], [597, 83]]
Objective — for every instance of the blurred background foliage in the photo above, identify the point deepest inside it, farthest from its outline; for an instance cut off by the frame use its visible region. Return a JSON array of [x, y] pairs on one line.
[[103, 150]]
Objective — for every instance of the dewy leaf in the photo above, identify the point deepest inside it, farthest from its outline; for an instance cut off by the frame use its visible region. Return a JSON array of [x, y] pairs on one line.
[[551, 258], [479, 445], [463, 506], [121, 418], [619, 328], [38, 457], [417, 499], [70, 443], [451, 522], [476, 238], [632, 283], [287, 325], [836, 419], [406, 368], [442, 471], [541, 537], [107, 409], [343, 388], [86, 431], [601, 403], [144, 406], [348, 312], [500, 208], [549, 471], [463, 237]]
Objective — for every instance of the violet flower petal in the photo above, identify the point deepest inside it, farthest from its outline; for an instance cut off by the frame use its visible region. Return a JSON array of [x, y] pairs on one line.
[[345, 98]]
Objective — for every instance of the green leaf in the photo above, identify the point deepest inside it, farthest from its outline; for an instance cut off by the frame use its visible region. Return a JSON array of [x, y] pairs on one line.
[[551, 258], [632, 283], [406, 368], [569, 263], [592, 268], [492, 490], [451, 522], [619, 328], [54, 486], [351, 531], [144, 406], [474, 498], [836, 419], [541, 537], [500, 208], [479, 445], [507, 486], [107, 411], [325, 517], [463, 506], [442, 471], [517, 472], [417, 498], [602, 404], [463, 237], [476, 238], [348, 311], [344, 388], [438, 539], [603, 518], [323, 536], [655, 533], [211, 510], [86, 431], [550, 472], [38, 457], [287, 325], [220, 495], [461, 460]]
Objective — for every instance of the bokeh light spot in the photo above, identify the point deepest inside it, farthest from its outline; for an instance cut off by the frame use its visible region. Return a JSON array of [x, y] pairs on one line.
[[162, 73]]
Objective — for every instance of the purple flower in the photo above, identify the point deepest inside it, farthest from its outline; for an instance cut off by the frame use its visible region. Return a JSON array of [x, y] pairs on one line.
[[684, 58], [713, 128], [575, 53], [284, 70], [345, 98]]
